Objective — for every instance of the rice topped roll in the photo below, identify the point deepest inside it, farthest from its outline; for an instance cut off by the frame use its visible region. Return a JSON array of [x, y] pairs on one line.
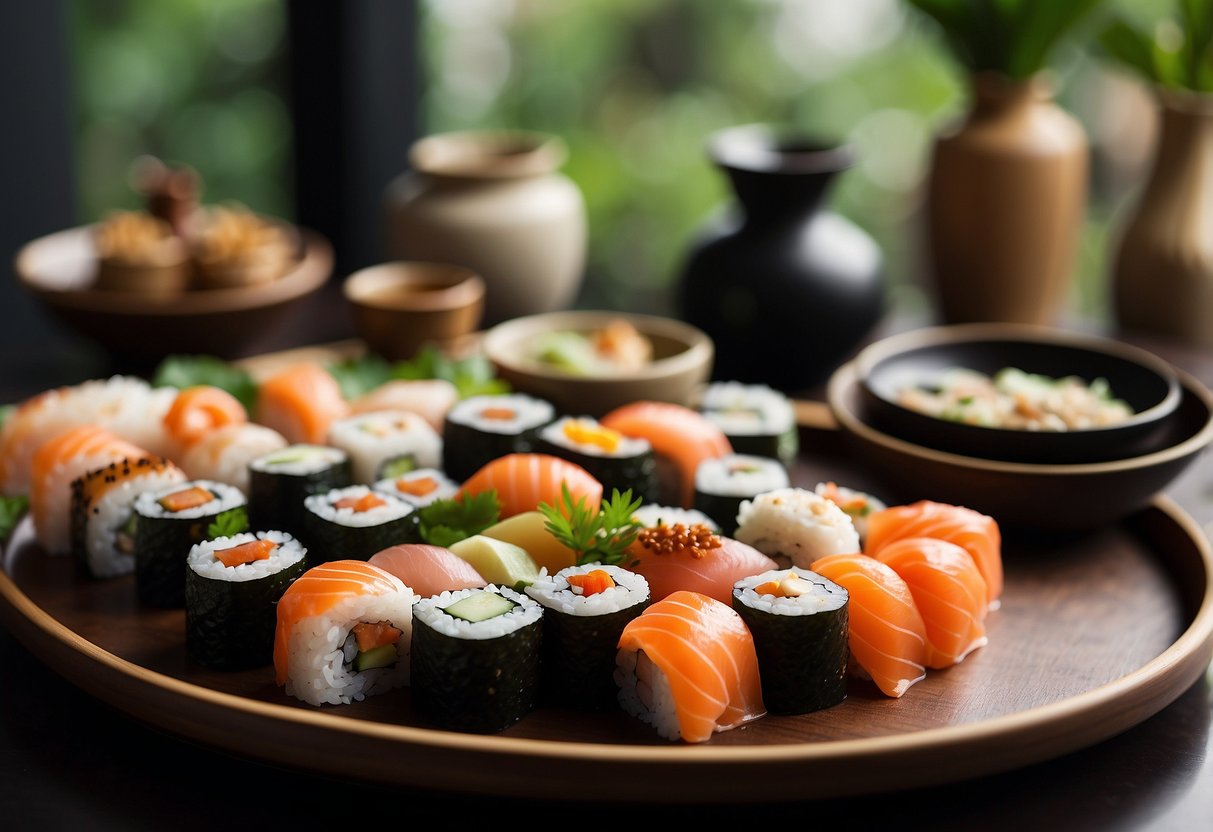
[[480, 429], [419, 488], [280, 481], [354, 523], [475, 656], [795, 526], [386, 444], [618, 462], [799, 622], [722, 484], [757, 419], [653, 515], [232, 585], [103, 519], [585, 611], [344, 633], [170, 521]]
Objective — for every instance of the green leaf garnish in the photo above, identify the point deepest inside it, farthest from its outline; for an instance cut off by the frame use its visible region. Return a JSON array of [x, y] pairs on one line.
[[228, 523], [595, 536], [356, 376], [6, 412], [11, 511], [182, 371], [472, 376], [444, 522]]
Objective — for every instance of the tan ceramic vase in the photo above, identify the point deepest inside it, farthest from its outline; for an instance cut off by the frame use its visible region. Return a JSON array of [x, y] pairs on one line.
[[496, 203], [1163, 270], [1006, 200]]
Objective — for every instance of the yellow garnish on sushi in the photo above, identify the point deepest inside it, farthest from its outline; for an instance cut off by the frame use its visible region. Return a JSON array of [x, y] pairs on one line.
[[790, 586], [588, 432]]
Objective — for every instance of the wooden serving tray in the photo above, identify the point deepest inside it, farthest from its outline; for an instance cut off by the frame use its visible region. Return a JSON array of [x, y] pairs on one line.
[[1095, 634]]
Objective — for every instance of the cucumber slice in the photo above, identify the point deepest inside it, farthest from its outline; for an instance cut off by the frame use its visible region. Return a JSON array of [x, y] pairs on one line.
[[375, 657], [480, 606], [397, 467]]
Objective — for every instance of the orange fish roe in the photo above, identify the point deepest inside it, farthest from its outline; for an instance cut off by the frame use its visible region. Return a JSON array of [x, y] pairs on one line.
[[696, 539], [366, 502], [246, 552]]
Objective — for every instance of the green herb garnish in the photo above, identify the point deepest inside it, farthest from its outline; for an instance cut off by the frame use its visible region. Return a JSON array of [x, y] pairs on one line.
[[444, 522], [228, 523], [11, 511], [472, 376], [6, 412], [356, 376], [182, 371], [596, 536]]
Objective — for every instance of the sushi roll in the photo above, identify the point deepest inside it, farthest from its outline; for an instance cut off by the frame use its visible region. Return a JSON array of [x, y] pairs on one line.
[[681, 439], [523, 481], [757, 419], [300, 402], [796, 526], [617, 461], [857, 504], [419, 488], [354, 523], [431, 399], [343, 633], [169, 521], [799, 623], [652, 515], [678, 557], [585, 611], [687, 666], [103, 519], [386, 444], [475, 657], [281, 480], [232, 585], [723, 483], [224, 455], [482, 428]]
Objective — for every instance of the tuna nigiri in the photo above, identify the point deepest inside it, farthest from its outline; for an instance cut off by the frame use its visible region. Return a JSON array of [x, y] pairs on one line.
[[885, 630], [973, 531], [200, 410], [678, 557], [523, 481], [949, 592], [687, 666], [676, 433], [428, 570], [301, 402]]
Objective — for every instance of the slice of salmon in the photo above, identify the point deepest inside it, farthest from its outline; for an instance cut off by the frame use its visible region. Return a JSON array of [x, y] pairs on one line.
[[948, 591], [707, 655], [428, 570], [885, 630], [197, 411], [301, 402], [973, 531], [668, 559], [523, 481]]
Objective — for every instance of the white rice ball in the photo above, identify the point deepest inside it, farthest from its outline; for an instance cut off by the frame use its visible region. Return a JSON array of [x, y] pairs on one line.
[[796, 525]]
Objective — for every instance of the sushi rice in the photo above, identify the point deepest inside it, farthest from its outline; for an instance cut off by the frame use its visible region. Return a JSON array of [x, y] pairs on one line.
[[796, 525], [653, 515], [377, 441]]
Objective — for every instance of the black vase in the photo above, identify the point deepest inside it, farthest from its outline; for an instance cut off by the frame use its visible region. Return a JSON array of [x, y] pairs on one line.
[[785, 288]]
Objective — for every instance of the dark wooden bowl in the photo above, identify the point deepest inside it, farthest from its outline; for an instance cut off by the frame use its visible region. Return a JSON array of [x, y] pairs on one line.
[[919, 359]]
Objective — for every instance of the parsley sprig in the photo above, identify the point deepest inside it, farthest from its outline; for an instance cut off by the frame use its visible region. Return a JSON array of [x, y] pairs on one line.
[[444, 522], [228, 523], [11, 511], [600, 535]]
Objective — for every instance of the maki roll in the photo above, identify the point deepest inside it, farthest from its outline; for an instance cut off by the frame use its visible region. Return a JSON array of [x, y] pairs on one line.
[[419, 488], [281, 480], [386, 444], [169, 522], [343, 633], [354, 523], [799, 623], [475, 658], [103, 519], [757, 419], [722, 484], [482, 428], [585, 611], [231, 587], [617, 461], [224, 455], [796, 526]]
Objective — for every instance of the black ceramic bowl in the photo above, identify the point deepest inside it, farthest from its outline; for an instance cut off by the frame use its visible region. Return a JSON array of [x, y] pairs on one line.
[[1145, 382]]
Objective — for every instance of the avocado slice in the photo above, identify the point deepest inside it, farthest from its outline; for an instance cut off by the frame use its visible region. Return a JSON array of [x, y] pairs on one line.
[[497, 561]]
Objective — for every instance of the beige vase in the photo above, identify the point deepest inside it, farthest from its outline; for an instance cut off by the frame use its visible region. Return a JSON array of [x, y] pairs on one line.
[[1006, 200], [496, 203], [1163, 271]]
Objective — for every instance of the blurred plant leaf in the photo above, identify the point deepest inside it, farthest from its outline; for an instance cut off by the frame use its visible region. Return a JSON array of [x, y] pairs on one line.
[[1196, 19], [182, 371], [1042, 25], [1131, 47], [356, 376]]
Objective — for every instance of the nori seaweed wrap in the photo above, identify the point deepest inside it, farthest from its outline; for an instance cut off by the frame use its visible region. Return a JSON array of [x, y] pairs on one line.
[[354, 523], [476, 670], [722, 484], [799, 622], [480, 429], [280, 480], [618, 462], [230, 611], [758, 420]]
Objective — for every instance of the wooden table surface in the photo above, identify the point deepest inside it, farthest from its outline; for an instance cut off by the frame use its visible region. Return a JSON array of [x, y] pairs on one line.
[[67, 761]]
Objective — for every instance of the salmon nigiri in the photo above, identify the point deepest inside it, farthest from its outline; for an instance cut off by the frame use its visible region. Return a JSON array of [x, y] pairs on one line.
[[687, 666], [885, 630], [973, 531], [948, 591], [694, 558], [301, 402], [428, 570], [523, 481], [676, 433], [199, 410]]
